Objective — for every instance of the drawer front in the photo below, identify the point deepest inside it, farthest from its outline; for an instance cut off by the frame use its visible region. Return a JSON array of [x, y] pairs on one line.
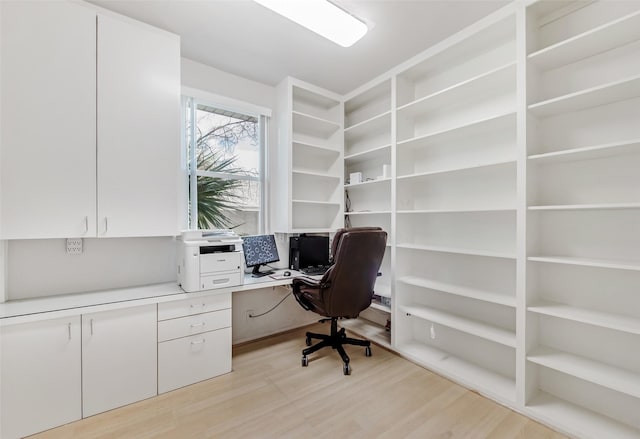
[[221, 280], [199, 304], [218, 262], [188, 360], [191, 325]]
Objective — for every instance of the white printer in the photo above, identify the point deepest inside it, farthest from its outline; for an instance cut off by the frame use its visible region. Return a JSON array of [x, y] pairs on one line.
[[209, 259]]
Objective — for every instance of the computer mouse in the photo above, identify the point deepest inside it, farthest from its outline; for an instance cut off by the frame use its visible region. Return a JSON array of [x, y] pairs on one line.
[[286, 273]]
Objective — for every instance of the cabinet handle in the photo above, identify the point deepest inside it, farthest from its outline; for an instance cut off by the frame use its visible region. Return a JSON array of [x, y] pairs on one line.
[[202, 305], [195, 325], [86, 225], [106, 225], [198, 342], [91, 326], [69, 330]]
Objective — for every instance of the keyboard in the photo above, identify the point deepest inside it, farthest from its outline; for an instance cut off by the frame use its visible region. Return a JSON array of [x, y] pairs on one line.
[[314, 271]]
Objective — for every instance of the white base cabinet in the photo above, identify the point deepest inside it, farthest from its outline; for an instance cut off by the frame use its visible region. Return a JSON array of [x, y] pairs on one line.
[[194, 340], [40, 376], [119, 358]]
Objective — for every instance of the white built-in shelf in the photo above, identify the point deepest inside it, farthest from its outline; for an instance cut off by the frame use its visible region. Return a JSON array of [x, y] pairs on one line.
[[369, 212], [382, 290], [313, 126], [456, 250], [602, 319], [592, 97], [417, 141], [380, 307], [458, 169], [588, 152], [608, 36], [596, 372], [319, 203], [595, 206], [588, 262], [369, 330], [464, 324], [315, 174], [480, 84], [367, 183], [316, 148], [375, 123], [464, 372], [376, 153], [560, 412], [313, 99], [460, 210], [472, 293]]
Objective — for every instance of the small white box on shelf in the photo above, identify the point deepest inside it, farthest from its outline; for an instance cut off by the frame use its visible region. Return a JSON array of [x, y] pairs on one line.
[[355, 177]]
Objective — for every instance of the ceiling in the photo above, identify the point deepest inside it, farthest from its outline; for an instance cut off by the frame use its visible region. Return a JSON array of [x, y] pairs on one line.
[[244, 38]]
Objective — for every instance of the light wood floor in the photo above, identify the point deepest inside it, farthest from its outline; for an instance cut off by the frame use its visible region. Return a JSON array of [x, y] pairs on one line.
[[269, 395]]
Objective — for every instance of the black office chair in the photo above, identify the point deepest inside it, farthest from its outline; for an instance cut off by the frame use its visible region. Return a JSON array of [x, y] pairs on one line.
[[346, 288]]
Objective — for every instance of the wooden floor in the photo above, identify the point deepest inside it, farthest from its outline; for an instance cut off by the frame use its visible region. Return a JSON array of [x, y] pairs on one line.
[[269, 395]]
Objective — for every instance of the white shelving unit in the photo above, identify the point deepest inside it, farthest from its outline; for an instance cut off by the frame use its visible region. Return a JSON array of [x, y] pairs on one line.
[[368, 150], [308, 165], [583, 207], [512, 206], [455, 210]]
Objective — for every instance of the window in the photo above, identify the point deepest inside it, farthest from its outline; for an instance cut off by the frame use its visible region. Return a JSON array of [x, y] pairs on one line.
[[226, 167]]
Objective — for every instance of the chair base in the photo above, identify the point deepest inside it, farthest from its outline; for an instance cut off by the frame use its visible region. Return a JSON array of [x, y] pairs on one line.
[[335, 340]]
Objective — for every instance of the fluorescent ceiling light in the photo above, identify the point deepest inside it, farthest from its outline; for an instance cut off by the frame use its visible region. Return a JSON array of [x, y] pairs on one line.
[[322, 17]]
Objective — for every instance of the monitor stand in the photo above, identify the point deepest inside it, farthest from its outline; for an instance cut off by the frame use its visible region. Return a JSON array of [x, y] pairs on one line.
[[257, 273]]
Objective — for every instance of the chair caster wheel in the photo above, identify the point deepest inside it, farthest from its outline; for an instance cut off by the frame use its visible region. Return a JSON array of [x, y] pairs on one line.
[[308, 341], [346, 369], [367, 351], [305, 361]]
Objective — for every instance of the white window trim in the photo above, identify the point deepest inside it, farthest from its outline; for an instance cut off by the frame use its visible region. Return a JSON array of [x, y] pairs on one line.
[[224, 103]]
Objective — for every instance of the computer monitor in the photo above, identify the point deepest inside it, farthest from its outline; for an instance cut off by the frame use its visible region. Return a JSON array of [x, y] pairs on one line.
[[259, 250], [314, 251]]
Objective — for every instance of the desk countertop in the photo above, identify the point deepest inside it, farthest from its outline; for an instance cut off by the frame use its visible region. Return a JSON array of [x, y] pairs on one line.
[[15, 311]]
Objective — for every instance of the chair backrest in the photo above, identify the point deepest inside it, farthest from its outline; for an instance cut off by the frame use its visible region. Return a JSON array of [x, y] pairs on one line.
[[350, 281]]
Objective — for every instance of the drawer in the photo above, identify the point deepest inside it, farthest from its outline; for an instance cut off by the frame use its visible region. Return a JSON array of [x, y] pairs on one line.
[[221, 280], [191, 359], [218, 262], [191, 325], [199, 304]]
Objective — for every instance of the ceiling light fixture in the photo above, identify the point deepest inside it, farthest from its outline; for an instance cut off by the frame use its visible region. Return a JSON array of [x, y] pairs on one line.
[[322, 17]]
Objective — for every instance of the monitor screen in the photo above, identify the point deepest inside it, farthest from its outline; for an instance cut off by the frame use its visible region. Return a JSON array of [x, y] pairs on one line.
[[259, 250], [314, 251]]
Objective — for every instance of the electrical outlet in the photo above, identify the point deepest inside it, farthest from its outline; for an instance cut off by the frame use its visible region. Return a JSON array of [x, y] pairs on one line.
[[248, 314], [74, 246]]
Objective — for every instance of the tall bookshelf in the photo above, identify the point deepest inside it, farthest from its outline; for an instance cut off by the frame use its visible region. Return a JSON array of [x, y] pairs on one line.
[[368, 151], [583, 310], [308, 166], [456, 211]]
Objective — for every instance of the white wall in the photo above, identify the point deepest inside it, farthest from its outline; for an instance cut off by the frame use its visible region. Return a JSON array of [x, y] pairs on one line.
[[41, 267]]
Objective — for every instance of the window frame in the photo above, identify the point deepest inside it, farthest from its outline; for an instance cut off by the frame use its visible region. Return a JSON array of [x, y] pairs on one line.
[[191, 99]]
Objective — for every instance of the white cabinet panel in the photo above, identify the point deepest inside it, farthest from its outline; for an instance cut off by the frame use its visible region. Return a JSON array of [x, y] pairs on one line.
[[40, 376], [48, 120], [119, 358], [138, 130], [187, 360]]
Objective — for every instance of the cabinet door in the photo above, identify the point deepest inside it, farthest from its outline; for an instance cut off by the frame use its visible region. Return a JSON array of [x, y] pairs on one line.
[[138, 130], [40, 378], [119, 358], [48, 100]]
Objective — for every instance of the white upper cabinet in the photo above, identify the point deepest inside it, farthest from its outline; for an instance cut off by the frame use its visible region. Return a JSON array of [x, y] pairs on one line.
[[48, 120], [91, 128], [138, 130]]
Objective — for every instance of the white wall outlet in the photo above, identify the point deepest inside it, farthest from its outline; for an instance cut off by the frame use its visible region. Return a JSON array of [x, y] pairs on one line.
[[74, 246]]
